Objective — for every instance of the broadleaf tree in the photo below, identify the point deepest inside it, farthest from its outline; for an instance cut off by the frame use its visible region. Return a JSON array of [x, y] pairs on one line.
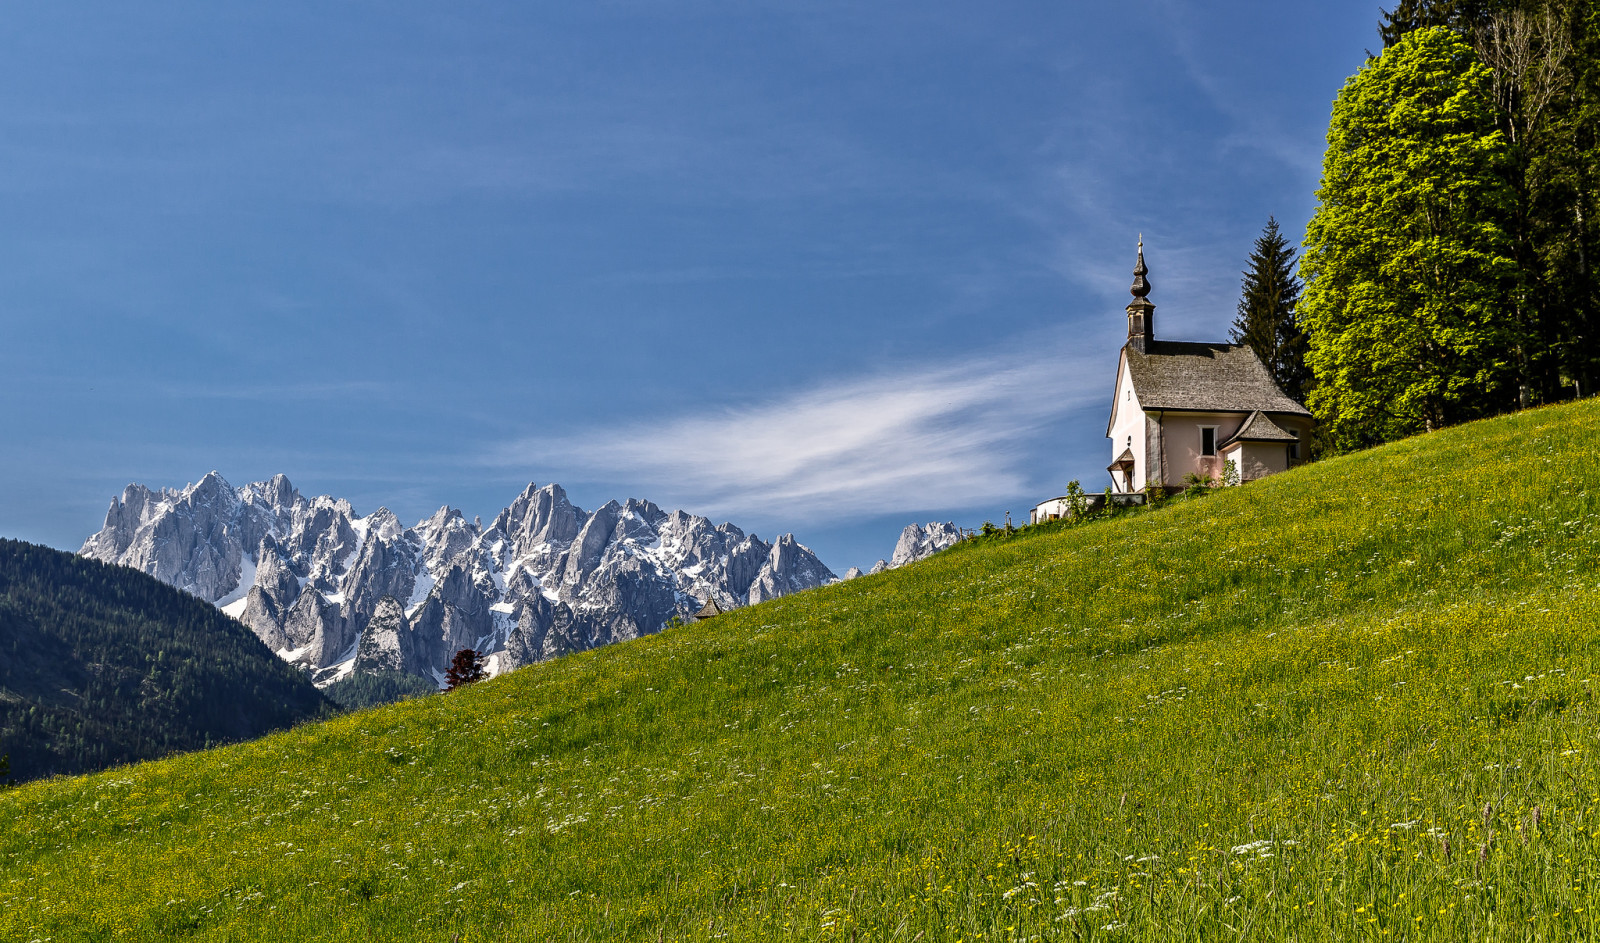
[[1267, 319], [467, 667], [1409, 271], [1545, 62]]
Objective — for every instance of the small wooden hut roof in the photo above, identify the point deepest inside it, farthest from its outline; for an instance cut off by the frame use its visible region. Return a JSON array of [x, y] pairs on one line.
[[709, 610]]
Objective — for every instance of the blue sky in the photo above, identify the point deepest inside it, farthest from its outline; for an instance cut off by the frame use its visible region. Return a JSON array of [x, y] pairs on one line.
[[816, 267]]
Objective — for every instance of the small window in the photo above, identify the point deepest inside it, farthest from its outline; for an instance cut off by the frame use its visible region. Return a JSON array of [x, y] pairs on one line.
[[1130, 441], [1294, 447], [1130, 396], [1208, 440]]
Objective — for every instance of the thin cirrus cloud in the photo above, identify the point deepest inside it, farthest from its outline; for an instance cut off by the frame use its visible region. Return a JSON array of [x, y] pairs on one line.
[[928, 438]]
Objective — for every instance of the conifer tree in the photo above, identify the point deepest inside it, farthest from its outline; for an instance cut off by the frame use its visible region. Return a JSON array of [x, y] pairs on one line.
[[1463, 16], [1267, 319]]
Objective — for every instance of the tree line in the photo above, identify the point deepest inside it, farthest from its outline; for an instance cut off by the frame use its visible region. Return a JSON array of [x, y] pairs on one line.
[[1447, 271]]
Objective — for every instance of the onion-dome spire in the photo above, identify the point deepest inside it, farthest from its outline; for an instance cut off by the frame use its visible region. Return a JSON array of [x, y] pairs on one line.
[[1141, 285], [1141, 313]]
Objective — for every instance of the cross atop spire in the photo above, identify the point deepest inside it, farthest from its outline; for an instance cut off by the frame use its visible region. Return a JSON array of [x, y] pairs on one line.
[[1141, 286], [1141, 313]]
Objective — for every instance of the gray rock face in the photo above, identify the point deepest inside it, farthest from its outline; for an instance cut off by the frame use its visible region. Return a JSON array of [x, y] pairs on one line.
[[789, 568], [918, 542], [265, 619], [274, 577], [388, 643], [314, 633], [338, 592]]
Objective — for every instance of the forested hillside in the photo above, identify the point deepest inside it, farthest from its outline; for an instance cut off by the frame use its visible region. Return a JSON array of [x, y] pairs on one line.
[[104, 665]]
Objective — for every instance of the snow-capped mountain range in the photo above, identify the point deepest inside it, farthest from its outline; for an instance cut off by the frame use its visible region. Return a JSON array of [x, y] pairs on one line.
[[339, 593]]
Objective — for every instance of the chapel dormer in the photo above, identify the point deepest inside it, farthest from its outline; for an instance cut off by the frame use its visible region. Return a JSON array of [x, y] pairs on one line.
[[1141, 313]]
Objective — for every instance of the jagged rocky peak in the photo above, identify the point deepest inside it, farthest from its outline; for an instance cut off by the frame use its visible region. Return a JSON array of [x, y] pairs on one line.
[[917, 542], [789, 568], [337, 592], [540, 516], [276, 494], [920, 541], [386, 564], [212, 489], [445, 535], [591, 542], [191, 539]]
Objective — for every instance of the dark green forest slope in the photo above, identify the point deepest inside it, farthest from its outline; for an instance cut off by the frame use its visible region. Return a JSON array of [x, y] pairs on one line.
[[101, 665]]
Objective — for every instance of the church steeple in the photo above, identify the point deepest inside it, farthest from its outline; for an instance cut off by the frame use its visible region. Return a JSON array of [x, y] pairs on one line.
[[1141, 313]]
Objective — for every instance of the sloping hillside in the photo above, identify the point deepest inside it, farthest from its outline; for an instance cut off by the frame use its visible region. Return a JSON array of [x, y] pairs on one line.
[[1349, 702], [102, 665]]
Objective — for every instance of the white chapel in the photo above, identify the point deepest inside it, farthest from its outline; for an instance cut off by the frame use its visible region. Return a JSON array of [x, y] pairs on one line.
[[1182, 408]]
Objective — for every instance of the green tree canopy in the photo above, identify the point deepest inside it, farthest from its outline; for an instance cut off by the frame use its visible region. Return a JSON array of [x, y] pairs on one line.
[[1545, 57], [1409, 271], [1267, 319]]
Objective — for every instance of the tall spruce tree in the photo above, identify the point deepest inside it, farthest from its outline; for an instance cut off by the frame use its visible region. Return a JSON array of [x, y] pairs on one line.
[[1410, 274], [1267, 319], [1463, 16]]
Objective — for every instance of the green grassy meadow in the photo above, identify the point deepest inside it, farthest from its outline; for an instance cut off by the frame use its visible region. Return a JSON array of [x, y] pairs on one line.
[[1352, 702]]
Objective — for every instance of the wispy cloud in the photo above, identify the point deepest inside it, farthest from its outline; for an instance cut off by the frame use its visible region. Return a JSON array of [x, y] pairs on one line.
[[932, 437]]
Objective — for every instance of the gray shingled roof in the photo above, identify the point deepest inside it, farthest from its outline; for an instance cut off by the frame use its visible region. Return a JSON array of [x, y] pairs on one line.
[[1123, 460], [1219, 377], [1258, 428], [709, 610]]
